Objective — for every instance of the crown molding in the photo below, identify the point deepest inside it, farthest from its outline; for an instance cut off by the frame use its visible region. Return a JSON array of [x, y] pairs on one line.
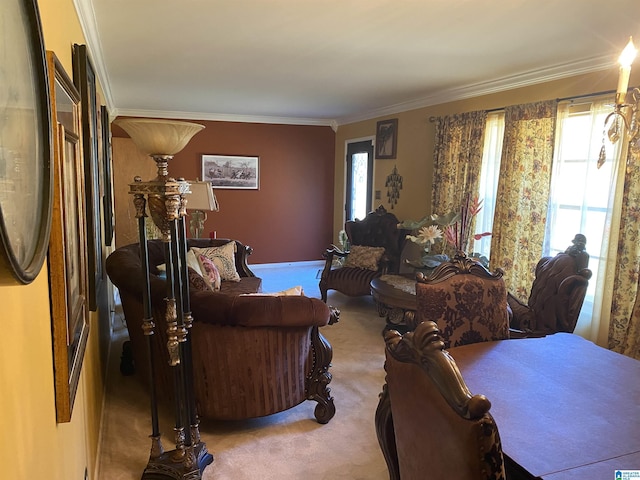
[[87, 18], [221, 117], [511, 82]]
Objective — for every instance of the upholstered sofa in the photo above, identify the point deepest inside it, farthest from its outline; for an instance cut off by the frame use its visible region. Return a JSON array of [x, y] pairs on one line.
[[253, 354]]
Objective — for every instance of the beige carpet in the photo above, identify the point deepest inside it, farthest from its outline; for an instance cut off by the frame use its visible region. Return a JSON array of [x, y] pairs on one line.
[[287, 445]]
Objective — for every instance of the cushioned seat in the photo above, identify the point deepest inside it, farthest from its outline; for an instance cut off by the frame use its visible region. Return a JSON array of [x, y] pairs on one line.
[[374, 247]]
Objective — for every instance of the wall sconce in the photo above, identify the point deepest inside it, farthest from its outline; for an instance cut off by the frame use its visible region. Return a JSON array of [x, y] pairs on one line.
[[201, 201], [626, 116]]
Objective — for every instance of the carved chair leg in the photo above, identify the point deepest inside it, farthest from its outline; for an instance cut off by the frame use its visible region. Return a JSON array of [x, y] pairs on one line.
[[319, 379], [386, 434]]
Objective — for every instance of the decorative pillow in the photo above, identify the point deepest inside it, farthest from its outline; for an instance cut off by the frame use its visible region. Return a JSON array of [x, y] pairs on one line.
[[192, 261], [196, 282], [211, 275], [364, 257], [224, 258], [289, 292]]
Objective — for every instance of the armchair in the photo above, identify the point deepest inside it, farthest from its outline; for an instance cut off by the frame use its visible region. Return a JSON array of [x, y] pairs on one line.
[[557, 292], [377, 241], [465, 300], [252, 354], [427, 420]]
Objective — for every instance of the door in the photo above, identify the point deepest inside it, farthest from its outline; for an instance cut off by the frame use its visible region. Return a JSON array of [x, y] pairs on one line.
[[359, 179]]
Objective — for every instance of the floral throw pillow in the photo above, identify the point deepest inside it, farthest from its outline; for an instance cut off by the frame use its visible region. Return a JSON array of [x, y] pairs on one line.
[[364, 257], [223, 258], [196, 282], [210, 272]]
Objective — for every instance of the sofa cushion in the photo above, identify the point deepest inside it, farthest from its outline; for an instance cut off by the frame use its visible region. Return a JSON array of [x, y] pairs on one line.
[[224, 259], [364, 257], [293, 291]]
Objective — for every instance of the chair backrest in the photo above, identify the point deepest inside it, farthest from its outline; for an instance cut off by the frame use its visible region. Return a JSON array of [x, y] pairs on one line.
[[379, 229], [465, 300], [440, 427], [559, 288]]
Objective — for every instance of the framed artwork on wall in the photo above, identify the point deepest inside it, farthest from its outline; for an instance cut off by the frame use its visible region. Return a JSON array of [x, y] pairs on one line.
[[387, 138], [231, 171], [107, 198], [67, 243], [85, 80], [25, 144]]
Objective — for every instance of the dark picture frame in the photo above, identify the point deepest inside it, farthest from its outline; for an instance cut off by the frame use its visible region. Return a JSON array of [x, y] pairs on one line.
[[231, 171], [387, 138], [67, 243], [107, 173], [25, 144], [84, 78]]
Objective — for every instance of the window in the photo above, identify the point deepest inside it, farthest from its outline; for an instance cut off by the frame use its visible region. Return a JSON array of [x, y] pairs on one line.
[[489, 174], [359, 179], [581, 194]]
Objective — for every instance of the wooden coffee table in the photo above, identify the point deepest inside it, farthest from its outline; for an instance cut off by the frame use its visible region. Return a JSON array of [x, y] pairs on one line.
[[395, 297]]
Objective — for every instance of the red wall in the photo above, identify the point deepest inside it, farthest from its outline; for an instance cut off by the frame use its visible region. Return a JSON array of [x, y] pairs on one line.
[[290, 217]]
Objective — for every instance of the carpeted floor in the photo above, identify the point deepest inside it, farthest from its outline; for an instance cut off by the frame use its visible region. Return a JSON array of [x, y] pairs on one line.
[[287, 445]]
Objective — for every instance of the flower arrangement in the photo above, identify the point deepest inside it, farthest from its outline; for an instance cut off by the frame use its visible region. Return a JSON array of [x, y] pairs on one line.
[[452, 229]]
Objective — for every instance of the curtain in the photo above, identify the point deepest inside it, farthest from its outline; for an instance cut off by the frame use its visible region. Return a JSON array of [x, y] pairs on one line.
[[523, 193], [624, 325], [457, 160]]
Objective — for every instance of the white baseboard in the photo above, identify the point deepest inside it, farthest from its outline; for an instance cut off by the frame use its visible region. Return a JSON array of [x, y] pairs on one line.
[[307, 263]]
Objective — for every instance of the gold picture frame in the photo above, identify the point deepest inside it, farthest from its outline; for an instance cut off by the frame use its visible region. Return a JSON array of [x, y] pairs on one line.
[[67, 243]]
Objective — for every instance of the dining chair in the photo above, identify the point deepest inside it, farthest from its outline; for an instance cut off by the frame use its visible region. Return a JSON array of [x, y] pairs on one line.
[[429, 424], [557, 293], [465, 300]]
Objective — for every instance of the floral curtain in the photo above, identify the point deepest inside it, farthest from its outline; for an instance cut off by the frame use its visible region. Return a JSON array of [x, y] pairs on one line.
[[457, 160], [523, 193], [624, 324]]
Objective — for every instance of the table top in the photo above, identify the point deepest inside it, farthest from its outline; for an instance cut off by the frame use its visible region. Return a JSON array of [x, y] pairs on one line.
[[560, 403], [383, 290]]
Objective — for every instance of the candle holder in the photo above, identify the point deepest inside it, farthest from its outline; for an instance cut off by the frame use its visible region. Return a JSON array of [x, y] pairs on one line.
[[625, 118], [166, 198]]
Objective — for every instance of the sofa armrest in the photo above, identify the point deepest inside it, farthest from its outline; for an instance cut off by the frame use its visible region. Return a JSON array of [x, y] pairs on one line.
[[259, 310]]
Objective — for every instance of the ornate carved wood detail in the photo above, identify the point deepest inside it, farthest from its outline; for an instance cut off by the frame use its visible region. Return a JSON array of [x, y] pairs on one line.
[[320, 377], [460, 263], [425, 348], [386, 435]]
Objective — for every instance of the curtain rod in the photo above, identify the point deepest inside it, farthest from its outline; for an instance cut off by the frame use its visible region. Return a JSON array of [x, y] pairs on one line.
[[564, 99]]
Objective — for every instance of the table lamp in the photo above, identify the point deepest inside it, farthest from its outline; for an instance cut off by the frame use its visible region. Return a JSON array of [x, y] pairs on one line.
[[201, 201]]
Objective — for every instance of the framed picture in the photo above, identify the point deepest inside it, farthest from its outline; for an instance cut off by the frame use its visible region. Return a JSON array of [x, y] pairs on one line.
[[387, 138], [107, 197], [25, 144], [85, 80], [230, 171], [67, 245]]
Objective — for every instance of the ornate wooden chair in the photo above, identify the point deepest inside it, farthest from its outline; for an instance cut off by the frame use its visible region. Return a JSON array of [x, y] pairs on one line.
[[375, 245], [427, 420], [465, 300], [557, 292]]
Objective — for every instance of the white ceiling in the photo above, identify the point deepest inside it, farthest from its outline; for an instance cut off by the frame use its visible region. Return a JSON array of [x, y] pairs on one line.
[[336, 61]]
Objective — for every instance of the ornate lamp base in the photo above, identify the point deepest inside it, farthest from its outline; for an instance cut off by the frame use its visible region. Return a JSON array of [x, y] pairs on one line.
[[165, 467]]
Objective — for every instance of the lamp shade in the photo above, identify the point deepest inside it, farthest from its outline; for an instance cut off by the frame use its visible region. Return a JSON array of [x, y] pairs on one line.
[[202, 197], [159, 137]]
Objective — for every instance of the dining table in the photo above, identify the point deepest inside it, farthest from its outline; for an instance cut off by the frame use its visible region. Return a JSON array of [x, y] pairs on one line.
[[566, 408]]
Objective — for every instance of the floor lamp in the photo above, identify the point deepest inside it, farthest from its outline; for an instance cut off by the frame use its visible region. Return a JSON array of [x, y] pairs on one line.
[[166, 198], [201, 201]]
